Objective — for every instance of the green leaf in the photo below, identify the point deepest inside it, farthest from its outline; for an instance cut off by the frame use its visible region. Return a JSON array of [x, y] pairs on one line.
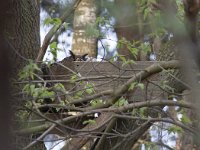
[[52, 21], [59, 87], [146, 13], [96, 102], [28, 71], [47, 94], [89, 88], [132, 86], [125, 61], [65, 25], [57, 21], [89, 91], [79, 93], [144, 48], [89, 122], [185, 119], [142, 111], [38, 92], [121, 102], [174, 129], [73, 78], [26, 89], [134, 51], [102, 21], [32, 88], [122, 58], [53, 45], [54, 49], [141, 85], [58, 109], [47, 21]]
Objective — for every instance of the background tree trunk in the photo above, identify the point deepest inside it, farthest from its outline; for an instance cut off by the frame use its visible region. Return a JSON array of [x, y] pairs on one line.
[[129, 25], [85, 17]]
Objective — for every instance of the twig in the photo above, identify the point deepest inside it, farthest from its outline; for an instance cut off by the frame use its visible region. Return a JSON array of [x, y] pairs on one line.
[[53, 30], [40, 137], [151, 70], [104, 111]]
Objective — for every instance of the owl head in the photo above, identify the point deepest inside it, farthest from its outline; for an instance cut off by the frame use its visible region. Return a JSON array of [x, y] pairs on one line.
[[78, 57]]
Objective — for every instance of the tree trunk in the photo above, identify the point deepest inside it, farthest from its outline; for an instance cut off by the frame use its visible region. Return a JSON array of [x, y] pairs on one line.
[[23, 31], [22, 35], [85, 18], [5, 69]]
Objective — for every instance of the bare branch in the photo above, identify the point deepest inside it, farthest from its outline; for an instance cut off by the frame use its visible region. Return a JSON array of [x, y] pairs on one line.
[[151, 70], [53, 30]]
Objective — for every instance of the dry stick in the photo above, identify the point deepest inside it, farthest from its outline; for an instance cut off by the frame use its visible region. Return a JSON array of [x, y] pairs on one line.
[[40, 137], [94, 96], [130, 133], [111, 91], [167, 120], [45, 126], [167, 91], [153, 69], [149, 103], [103, 137], [77, 143], [53, 30], [163, 145], [103, 111], [177, 123]]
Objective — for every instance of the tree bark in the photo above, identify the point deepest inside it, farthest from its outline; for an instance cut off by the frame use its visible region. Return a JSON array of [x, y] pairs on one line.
[[85, 17], [22, 35], [5, 69], [22, 30]]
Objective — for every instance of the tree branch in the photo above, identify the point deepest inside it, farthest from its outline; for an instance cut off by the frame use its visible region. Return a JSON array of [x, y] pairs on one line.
[[53, 30], [106, 111], [151, 70]]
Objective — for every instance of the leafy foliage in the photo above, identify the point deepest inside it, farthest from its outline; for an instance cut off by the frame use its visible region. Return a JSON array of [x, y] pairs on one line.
[[54, 50], [89, 122], [135, 84], [73, 78], [125, 61], [38, 92], [92, 31], [28, 72], [184, 117], [142, 112], [121, 102], [175, 129], [52, 21], [96, 102], [89, 88]]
